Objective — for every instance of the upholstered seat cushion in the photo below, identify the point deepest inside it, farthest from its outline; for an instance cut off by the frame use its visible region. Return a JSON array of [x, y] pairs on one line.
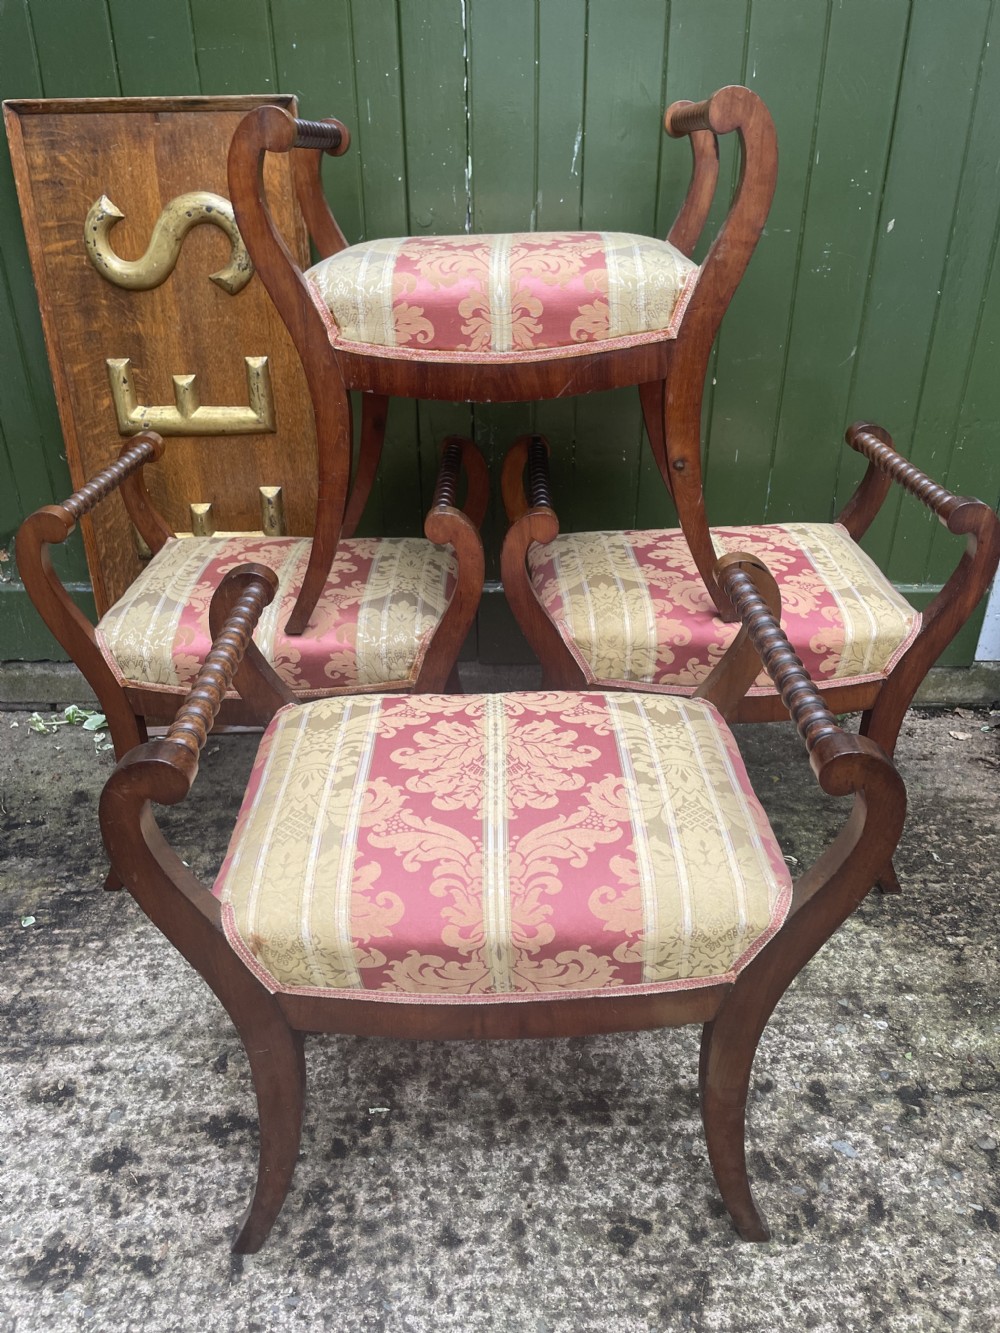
[[382, 602], [444, 848], [503, 295], [632, 606]]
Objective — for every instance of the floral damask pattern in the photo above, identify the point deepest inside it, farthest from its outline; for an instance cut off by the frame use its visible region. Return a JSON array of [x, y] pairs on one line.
[[503, 294], [382, 601], [426, 847], [633, 607]]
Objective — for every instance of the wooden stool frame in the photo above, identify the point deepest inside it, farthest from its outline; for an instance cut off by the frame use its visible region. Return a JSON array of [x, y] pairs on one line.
[[883, 702], [127, 707], [670, 373], [272, 1026]]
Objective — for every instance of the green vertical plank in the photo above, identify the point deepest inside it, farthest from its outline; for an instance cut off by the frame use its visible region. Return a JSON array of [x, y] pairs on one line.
[[32, 467], [784, 60], [975, 462], [155, 48], [502, 149], [620, 151], [559, 89], [233, 46], [314, 56], [75, 50], [701, 57], [434, 43], [379, 112], [623, 123], [937, 91], [32, 445], [559, 100], [965, 287], [864, 53], [433, 39], [502, 137], [379, 150], [42, 53]]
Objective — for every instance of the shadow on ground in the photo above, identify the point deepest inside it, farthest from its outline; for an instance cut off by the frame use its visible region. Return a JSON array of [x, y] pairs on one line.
[[521, 1186]]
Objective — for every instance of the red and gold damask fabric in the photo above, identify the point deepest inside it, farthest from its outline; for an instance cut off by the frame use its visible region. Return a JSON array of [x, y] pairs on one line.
[[503, 295], [632, 607], [469, 848], [382, 602]]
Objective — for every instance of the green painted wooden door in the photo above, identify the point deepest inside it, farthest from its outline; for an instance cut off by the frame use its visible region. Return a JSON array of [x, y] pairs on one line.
[[873, 293]]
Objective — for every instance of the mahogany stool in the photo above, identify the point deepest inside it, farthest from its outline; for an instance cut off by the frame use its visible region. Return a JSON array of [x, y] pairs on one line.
[[501, 318], [499, 866]]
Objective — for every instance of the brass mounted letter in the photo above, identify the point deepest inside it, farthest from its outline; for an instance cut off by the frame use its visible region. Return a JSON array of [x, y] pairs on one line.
[[173, 224], [188, 416], [272, 511]]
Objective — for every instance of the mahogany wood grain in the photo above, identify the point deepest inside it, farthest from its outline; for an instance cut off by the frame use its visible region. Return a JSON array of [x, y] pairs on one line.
[[730, 110], [690, 221], [374, 411]]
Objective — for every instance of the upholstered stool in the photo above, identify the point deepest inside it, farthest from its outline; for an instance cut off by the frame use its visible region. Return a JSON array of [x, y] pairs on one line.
[[392, 614], [630, 610], [371, 627], [514, 317], [633, 610], [489, 296], [451, 849], [499, 866]]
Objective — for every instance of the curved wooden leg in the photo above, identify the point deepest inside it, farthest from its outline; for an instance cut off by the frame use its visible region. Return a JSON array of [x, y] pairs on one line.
[[374, 414], [277, 1062], [333, 446], [127, 731], [445, 525], [727, 1054], [651, 402], [888, 880], [681, 469]]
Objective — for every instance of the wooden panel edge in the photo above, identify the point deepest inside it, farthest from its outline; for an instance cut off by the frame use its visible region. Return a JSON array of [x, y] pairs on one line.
[[30, 106]]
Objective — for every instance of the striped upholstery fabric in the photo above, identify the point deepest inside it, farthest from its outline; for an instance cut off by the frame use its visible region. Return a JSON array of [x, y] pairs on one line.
[[632, 606], [503, 295], [443, 848], [382, 602]]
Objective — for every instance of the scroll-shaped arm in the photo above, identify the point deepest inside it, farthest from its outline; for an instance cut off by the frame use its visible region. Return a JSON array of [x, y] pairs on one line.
[[448, 525], [53, 524], [821, 899], [960, 594], [317, 138], [730, 110], [532, 518], [690, 221], [164, 770], [269, 129]]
